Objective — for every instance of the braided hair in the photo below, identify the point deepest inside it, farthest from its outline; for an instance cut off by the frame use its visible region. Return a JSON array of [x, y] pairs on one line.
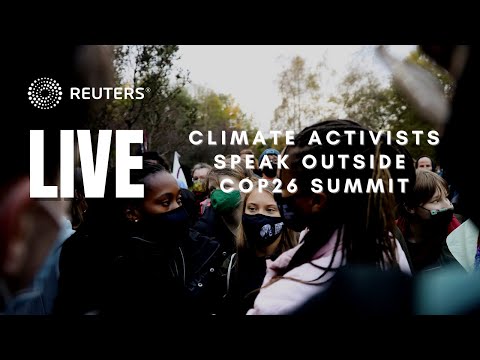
[[365, 221]]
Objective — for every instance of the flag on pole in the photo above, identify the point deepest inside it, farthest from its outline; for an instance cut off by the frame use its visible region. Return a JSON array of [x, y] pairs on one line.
[[177, 171]]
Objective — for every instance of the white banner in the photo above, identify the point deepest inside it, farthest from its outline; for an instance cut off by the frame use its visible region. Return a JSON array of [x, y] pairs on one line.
[[177, 171]]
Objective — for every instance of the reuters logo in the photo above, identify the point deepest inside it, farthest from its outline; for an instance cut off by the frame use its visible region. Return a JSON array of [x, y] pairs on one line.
[[44, 93]]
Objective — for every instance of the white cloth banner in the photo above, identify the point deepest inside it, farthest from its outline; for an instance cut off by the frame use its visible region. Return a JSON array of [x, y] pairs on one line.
[[177, 171]]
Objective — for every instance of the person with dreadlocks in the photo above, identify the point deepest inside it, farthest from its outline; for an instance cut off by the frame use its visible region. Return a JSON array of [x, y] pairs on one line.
[[338, 228]]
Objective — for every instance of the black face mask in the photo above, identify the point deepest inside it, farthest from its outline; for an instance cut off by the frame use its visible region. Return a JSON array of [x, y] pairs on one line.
[[270, 173], [287, 212], [439, 220], [261, 230], [166, 227]]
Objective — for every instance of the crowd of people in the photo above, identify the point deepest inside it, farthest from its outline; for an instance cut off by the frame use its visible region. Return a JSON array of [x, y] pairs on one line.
[[213, 250]]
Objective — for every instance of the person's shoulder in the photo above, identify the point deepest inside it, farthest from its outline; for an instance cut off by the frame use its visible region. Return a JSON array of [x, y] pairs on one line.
[[198, 238], [205, 224], [199, 245]]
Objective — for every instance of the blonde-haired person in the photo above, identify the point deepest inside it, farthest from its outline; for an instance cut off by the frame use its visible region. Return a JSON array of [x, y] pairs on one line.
[[221, 221], [262, 236], [222, 218]]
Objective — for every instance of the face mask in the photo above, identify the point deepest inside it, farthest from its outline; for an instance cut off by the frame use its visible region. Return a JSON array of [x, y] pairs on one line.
[[287, 211], [224, 203], [261, 230], [270, 173], [166, 227], [199, 186], [439, 218], [199, 190]]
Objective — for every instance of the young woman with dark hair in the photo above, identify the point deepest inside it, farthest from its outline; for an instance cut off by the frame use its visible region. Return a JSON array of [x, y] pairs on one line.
[[340, 228]]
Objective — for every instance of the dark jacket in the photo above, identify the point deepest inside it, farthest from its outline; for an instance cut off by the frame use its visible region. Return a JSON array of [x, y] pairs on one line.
[[213, 293], [145, 279], [211, 224], [106, 270], [205, 284], [81, 267], [244, 283]]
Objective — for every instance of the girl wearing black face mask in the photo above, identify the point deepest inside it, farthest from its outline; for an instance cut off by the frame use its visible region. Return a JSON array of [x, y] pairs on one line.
[[129, 256], [148, 271], [426, 221], [262, 237]]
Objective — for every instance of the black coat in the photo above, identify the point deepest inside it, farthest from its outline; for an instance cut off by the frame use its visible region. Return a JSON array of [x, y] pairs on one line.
[[214, 264], [83, 263], [116, 273], [106, 270], [145, 279]]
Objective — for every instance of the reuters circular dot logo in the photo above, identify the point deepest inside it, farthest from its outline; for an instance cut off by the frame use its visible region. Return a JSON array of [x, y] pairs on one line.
[[45, 93]]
